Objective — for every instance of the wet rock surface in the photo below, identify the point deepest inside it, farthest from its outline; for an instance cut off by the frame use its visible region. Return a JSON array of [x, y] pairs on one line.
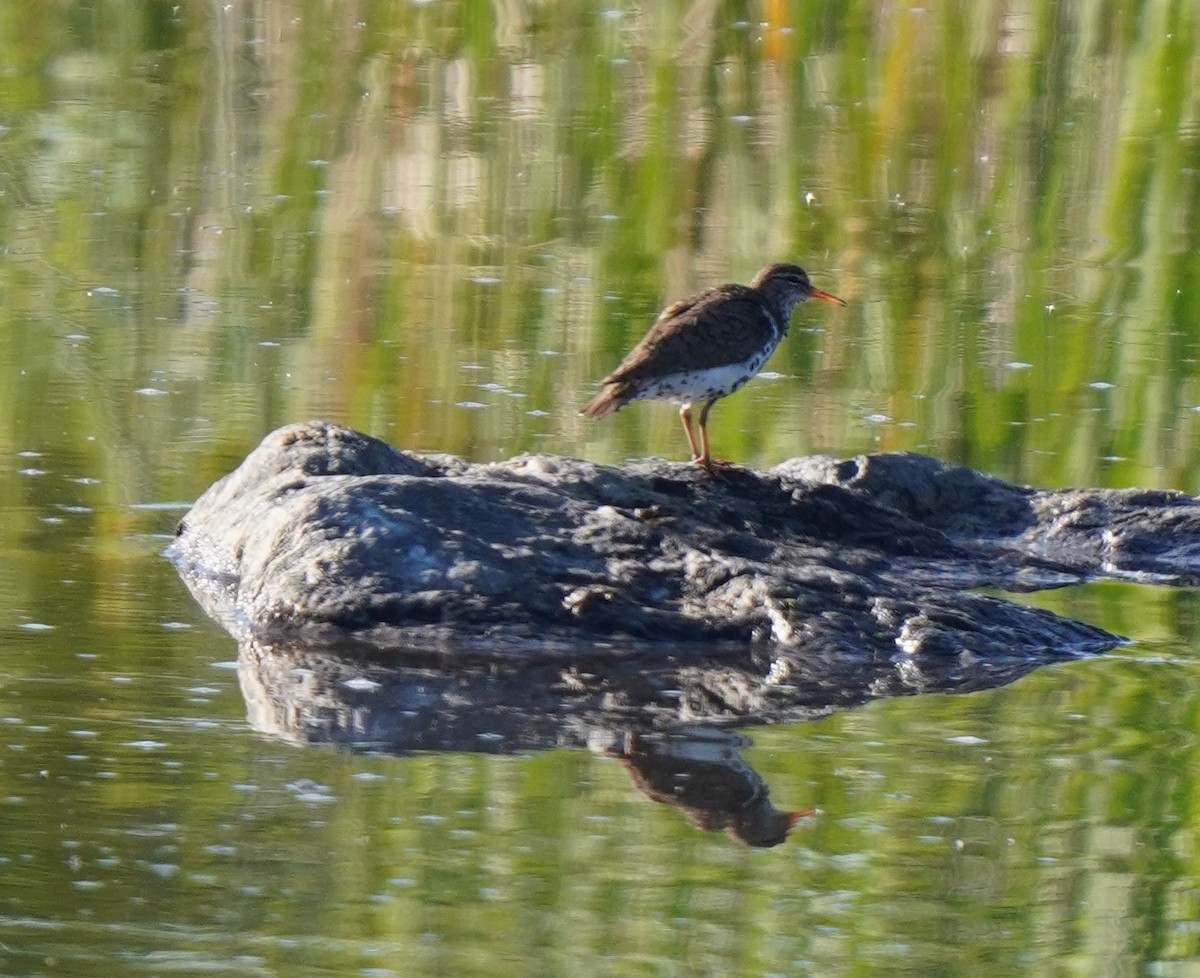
[[325, 534]]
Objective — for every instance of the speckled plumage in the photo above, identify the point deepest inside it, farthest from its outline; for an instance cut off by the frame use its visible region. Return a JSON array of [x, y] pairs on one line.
[[706, 347]]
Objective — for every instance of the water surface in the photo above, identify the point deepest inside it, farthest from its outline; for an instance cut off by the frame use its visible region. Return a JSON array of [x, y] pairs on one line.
[[441, 223]]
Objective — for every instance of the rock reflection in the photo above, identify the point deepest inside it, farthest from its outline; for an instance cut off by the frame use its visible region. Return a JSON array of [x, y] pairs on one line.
[[667, 716]]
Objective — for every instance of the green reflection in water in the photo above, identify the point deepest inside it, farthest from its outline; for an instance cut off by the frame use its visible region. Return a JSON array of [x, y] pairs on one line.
[[449, 237], [442, 223], [1045, 821]]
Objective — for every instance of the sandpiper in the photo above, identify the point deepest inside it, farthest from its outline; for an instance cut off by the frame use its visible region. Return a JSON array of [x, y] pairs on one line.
[[706, 347]]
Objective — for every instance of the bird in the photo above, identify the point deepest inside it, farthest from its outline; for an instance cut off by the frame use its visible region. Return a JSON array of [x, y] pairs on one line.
[[706, 347]]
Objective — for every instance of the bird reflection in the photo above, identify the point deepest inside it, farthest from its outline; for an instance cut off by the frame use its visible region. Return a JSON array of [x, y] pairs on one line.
[[704, 775]]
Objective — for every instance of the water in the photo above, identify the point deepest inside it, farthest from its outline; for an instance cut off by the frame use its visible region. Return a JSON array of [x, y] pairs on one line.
[[441, 223]]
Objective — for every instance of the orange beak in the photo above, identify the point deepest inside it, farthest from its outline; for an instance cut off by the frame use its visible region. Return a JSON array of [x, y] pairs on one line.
[[794, 817], [826, 297]]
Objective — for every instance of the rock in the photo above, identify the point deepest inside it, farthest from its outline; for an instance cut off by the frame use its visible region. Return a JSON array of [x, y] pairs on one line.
[[324, 534]]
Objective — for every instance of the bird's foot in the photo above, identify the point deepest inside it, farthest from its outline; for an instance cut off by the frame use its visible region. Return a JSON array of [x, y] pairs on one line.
[[715, 466]]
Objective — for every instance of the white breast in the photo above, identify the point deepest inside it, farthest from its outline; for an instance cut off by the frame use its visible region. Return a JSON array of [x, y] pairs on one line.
[[703, 385]]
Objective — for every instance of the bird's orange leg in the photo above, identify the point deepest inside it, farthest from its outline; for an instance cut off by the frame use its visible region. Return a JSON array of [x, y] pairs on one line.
[[685, 415], [705, 459]]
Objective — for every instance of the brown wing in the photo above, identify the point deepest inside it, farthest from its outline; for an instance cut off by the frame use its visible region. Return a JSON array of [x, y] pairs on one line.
[[717, 327]]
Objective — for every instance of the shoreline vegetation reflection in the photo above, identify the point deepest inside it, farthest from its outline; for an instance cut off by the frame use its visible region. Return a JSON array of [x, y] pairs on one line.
[[447, 247]]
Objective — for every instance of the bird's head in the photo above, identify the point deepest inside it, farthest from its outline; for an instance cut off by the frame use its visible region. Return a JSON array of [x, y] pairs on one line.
[[789, 284]]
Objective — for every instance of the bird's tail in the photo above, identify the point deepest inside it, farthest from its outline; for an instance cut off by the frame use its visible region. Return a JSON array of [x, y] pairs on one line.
[[612, 398]]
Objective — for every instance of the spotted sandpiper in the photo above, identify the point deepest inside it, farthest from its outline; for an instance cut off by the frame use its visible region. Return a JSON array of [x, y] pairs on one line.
[[706, 347]]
